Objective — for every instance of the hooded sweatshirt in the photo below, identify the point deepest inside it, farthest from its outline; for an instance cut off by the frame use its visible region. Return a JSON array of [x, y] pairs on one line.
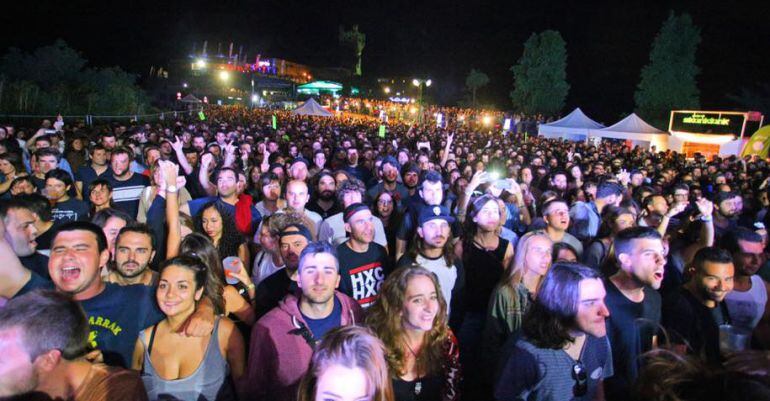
[[281, 350]]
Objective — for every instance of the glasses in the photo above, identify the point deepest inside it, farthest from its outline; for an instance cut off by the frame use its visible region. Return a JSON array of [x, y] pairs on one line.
[[581, 379]]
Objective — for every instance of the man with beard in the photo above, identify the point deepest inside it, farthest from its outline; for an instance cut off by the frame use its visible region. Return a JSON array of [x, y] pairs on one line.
[[43, 337], [726, 213], [354, 168], [556, 217], [134, 249], [127, 186], [558, 183], [431, 194], [748, 301], [284, 339], [293, 239], [693, 315], [363, 263], [433, 250], [388, 172], [324, 202], [410, 173], [634, 304]]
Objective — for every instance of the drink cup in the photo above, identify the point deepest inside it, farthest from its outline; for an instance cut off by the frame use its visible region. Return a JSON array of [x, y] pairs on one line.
[[232, 265]]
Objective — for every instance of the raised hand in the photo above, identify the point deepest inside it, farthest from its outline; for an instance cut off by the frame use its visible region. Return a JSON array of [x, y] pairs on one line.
[[206, 160], [177, 144], [705, 207]]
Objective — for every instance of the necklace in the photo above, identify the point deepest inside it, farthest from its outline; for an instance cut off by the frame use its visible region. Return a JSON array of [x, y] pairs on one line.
[[418, 382]]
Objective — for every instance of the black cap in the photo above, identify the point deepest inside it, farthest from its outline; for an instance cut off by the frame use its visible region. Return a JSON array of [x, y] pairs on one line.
[[428, 213], [297, 229]]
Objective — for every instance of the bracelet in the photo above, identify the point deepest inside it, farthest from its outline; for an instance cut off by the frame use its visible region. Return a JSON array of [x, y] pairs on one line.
[[706, 219], [251, 286]]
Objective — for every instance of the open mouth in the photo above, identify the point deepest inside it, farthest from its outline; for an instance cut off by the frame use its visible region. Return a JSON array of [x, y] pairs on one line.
[[658, 275], [70, 273]]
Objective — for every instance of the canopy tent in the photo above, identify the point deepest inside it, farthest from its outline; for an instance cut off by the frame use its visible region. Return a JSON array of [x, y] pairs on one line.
[[312, 108], [190, 99], [635, 130], [574, 126]]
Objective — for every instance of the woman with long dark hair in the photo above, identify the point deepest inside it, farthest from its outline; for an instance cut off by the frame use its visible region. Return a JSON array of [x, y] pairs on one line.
[[181, 367], [219, 227], [410, 317]]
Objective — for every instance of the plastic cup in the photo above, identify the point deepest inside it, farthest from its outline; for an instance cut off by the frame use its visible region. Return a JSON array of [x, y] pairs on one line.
[[733, 339], [232, 265]]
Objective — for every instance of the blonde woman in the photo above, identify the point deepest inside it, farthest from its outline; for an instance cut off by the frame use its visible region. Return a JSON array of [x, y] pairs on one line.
[[518, 286]]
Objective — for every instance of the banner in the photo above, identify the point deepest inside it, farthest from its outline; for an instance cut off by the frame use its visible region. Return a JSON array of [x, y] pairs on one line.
[[275, 122], [382, 131], [758, 144], [201, 116]]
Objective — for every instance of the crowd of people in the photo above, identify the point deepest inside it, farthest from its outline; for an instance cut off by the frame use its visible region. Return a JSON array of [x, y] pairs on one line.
[[259, 255]]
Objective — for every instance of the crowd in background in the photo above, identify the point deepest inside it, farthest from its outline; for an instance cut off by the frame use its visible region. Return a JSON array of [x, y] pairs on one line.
[[260, 255]]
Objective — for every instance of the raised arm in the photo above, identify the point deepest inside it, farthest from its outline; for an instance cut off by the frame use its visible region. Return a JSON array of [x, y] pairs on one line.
[[178, 146], [203, 174], [174, 237]]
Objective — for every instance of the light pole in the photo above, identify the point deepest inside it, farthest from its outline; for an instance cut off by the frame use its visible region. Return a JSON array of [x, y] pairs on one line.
[[420, 84]]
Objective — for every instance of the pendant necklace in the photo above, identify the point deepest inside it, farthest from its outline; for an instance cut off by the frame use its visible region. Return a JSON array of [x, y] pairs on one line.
[[418, 384]]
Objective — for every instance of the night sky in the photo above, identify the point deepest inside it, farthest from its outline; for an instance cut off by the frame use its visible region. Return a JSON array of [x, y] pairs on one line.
[[607, 42]]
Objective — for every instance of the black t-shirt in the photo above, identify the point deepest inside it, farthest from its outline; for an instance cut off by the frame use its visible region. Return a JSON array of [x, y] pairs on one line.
[[37, 263], [362, 274], [69, 210], [483, 270], [116, 316], [87, 175], [630, 328], [690, 322], [193, 185], [126, 194], [271, 290], [314, 207]]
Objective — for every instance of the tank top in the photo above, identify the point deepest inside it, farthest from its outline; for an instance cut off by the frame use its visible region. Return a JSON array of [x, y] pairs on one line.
[[207, 383], [483, 270], [747, 307]]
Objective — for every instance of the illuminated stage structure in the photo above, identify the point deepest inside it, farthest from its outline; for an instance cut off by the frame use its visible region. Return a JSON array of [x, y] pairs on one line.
[[709, 133]]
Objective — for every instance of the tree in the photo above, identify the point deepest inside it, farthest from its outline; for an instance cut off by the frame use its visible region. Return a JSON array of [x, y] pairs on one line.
[[540, 76], [668, 80], [54, 79], [475, 80]]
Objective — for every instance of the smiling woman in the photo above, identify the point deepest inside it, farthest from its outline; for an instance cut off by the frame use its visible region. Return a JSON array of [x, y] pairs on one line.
[[410, 317], [187, 368]]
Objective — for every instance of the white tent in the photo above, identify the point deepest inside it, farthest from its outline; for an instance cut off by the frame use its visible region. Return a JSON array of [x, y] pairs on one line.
[[574, 126], [312, 108], [190, 99], [636, 130]]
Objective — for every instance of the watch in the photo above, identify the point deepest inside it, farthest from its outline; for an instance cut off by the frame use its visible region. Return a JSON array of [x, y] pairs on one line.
[[172, 188]]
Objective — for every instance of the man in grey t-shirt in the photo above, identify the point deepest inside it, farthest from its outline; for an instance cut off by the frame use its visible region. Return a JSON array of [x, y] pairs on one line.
[[557, 361]]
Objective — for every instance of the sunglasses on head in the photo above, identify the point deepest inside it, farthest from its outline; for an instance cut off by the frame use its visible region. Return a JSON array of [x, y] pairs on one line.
[[581, 379]]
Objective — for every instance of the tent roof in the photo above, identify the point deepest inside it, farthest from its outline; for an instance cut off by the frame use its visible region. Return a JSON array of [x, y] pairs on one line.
[[633, 124], [576, 119], [312, 108], [325, 85], [190, 99]]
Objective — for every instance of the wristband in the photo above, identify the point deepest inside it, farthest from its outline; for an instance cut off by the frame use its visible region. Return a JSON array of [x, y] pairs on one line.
[[251, 286], [706, 219]]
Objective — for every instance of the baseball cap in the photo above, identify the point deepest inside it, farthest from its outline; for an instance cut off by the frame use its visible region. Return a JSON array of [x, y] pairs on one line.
[[429, 213]]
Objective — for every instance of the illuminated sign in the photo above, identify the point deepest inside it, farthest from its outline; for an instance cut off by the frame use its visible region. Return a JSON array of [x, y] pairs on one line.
[[708, 122]]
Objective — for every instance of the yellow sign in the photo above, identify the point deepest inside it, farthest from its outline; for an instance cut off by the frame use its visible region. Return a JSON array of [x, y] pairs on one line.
[[759, 144]]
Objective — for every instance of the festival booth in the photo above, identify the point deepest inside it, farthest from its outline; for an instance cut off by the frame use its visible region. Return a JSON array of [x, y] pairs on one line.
[[711, 132], [318, 88], [635, 131], [574, 126], [312, 108]]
